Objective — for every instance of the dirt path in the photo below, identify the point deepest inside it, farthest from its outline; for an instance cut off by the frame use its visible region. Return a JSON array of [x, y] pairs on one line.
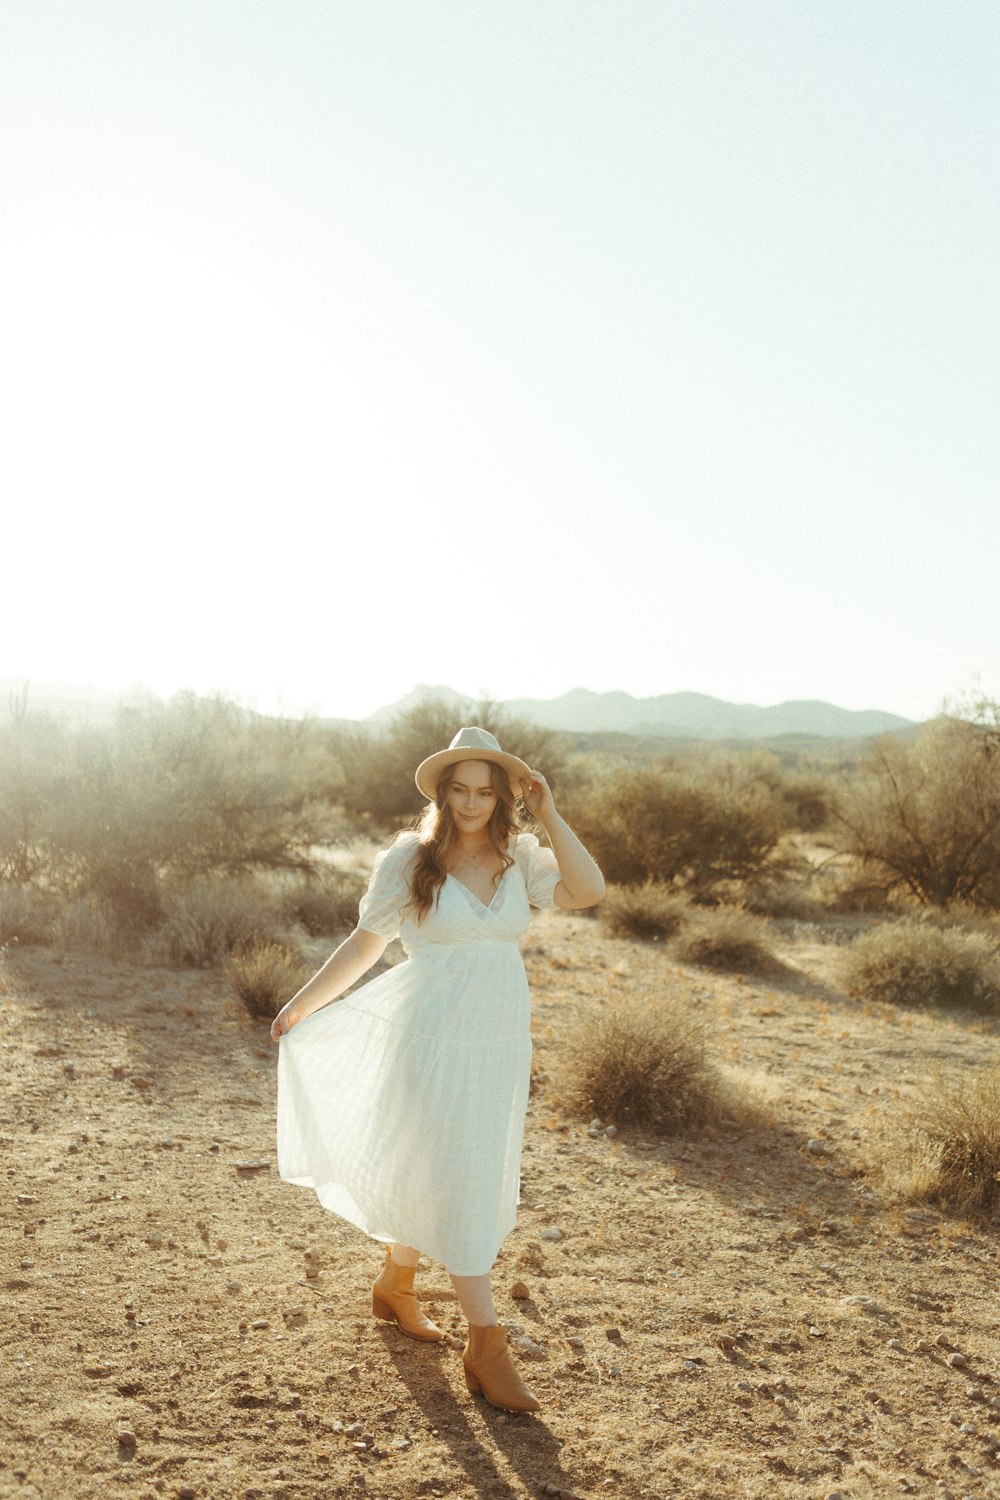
[[730, 1315]]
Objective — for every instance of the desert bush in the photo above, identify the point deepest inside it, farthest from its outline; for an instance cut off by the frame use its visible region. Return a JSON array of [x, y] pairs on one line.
[[643, 911], [83, 926], [924, 817], [32, 776], [266, 974], [725, 937], [26, 914], [946, 1148], [642, 1062], [922, 964], [686, 825], [205, 920], [378, 763], [187, 789], [325, 904], [774, 894]]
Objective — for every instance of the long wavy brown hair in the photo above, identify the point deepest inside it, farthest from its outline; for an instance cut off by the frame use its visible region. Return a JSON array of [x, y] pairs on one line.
[[438, 836]]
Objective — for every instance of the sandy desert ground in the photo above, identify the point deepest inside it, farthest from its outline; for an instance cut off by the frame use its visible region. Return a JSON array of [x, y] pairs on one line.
[[735, 1313]]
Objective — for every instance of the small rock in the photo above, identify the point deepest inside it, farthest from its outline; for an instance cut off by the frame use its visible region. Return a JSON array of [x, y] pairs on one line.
[[295, 1317], [235, 1287], [943, 1341], [313, 1264], [816, 1333], [594, 1133], [816, 1148], [402, 1443], [923, 1347], [25, 1198], [596, 1124], [250, 1166], [610, 1131], [552, 1234], [969, 1428], [126, 1436], [955, 1418], [614, 1334], [187, 1492], [519, 1292], [864, 1304], [261, 1323], [957, 1361], [575, 1343], [117, 1070]]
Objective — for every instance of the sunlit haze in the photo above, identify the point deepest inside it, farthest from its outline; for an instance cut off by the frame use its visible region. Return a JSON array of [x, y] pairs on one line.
[[650, 345]]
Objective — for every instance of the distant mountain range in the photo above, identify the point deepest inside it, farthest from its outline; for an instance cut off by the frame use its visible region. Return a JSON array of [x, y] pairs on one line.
[[693, 716]]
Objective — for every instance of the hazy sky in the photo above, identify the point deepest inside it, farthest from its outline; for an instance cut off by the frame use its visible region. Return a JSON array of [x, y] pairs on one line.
[[510, 344]]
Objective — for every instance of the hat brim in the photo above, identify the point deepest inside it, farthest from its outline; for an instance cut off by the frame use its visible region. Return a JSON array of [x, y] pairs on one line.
[[429, 771]]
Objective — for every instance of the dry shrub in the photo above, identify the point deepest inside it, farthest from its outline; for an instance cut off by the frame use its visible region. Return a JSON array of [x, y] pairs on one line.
[[919, 963], [207, 919], [326, 904], [266, 974], [924, 816], [643, 1062], [689, 824], [947, 1147], [726, 937], [779, 895], [87, 927], [652, 910], [26, 915]]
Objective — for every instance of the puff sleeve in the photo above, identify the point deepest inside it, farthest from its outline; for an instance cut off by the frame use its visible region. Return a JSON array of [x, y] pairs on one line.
[[539, 868], [388, 890]]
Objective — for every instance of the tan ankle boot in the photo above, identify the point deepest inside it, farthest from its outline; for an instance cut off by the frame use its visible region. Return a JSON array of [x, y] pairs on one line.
[[394, 1299], [490, 1372]]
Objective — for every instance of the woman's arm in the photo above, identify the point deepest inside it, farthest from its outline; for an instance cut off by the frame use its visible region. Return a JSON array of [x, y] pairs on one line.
[[347, 963], [580, 881]]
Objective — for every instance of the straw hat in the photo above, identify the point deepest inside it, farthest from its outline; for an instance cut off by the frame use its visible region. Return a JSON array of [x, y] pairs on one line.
[[470, 744]]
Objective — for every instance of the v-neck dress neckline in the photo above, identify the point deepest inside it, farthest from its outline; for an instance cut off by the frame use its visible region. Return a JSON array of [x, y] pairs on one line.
[[483, 905]]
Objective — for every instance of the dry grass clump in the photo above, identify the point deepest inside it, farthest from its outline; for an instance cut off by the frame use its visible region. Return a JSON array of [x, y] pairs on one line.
[[726, 937], [324, 905], [653, 910], [266, 974], [947, 1149], [643, 1062], [207, 919], [917, 963]]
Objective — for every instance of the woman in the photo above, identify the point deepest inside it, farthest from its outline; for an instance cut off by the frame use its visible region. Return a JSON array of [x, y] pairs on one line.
[[404, 1106]]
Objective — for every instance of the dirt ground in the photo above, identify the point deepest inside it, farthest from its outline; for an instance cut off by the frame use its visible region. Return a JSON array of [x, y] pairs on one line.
[[733, 1314]]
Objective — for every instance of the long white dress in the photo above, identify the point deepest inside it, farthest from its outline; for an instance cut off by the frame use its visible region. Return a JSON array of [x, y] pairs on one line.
[[403, 1105]]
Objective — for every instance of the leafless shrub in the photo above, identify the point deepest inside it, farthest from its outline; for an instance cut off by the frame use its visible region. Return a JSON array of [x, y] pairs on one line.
[[264, 975], [924, 817], [922, 964]]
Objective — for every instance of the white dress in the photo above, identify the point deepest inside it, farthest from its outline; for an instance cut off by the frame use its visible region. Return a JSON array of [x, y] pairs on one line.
[[403, 1105]]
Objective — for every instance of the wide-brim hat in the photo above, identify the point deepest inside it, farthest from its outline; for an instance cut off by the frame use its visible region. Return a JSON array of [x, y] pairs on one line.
[[470, 744]]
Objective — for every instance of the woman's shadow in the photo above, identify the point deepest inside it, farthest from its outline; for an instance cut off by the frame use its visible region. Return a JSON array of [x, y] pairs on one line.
[[527, 1444]]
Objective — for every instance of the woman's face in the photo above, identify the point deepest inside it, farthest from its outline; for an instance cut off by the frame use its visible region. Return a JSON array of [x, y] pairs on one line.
[[470, 797]]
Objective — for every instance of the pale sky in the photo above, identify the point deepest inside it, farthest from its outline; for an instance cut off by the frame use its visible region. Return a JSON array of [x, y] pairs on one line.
[[516, 345]]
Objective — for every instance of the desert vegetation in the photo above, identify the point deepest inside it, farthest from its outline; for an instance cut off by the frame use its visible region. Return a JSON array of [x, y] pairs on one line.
[[762, 1158]]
